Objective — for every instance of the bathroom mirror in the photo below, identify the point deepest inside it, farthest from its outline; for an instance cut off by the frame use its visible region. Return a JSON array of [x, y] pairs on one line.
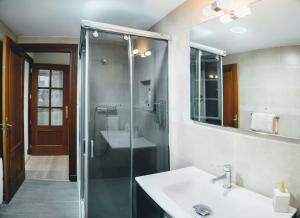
[[245, 70]]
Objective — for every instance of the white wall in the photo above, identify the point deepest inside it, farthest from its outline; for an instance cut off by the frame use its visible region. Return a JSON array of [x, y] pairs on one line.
[[55, 40], [51, 58], [109, 82], [269, 82], [259, 163]]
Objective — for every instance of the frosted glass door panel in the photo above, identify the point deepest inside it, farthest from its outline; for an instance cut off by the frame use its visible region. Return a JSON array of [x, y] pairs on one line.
[[56, 98], [56, 117], [43, 97], [43, 117], [44, 78], [57, 79]]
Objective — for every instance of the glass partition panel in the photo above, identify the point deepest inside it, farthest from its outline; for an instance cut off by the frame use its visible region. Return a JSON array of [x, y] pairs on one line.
[[109, 124], [150, 116]]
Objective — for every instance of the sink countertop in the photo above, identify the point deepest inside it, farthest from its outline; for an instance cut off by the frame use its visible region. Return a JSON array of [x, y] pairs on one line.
[[177, 191]]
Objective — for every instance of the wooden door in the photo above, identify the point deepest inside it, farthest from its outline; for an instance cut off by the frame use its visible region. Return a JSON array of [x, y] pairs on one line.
[[12, 117], [49, 109], [230, 96]]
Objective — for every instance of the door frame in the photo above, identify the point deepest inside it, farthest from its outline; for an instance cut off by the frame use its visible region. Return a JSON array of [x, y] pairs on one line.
[[72, 50]]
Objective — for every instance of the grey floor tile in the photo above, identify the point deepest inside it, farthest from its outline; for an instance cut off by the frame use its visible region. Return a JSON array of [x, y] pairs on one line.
[[43, 199]]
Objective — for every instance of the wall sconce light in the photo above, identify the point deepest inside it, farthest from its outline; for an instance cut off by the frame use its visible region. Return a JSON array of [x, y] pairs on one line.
[[213, 76], [135, 51], [148, 53], [143, 55]]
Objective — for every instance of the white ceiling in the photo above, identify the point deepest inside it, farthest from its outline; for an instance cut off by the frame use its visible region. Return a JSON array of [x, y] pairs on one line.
[[271, 24], [62, 17]]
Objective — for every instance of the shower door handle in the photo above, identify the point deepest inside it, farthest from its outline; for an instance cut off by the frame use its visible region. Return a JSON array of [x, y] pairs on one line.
[[92, 148], [83, 149]]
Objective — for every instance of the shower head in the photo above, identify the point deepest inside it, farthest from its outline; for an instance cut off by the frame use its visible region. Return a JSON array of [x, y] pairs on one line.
[[103, 61]]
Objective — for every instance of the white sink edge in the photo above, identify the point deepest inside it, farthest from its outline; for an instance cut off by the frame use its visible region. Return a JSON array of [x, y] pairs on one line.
[[155, 184]]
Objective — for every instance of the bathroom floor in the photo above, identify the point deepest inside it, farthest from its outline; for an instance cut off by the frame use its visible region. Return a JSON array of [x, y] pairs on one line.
[[43, 199], [47, 168]]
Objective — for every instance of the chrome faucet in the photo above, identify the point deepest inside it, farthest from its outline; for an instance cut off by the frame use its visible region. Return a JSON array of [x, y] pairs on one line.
[[226, 177]]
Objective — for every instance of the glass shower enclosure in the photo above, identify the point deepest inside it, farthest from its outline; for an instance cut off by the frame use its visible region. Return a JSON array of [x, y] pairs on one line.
[[123, 117]]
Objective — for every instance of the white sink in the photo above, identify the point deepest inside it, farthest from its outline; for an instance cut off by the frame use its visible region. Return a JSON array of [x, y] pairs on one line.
[[178, 191]]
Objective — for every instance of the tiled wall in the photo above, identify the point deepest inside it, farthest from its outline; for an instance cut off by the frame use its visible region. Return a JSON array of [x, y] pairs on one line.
[[259, 163], [269, 82], [110, 81]]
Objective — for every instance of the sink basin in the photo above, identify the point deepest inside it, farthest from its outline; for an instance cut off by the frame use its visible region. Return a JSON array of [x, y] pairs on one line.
[[178, 191]]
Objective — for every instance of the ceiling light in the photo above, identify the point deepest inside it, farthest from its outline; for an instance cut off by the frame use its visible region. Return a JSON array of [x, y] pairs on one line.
[[211, 76], [208, 11], [143, 55], [135, 51], [224, 3], [215, 7], [242, 11], [226, 18], [238, 30], [96, 34], [148, 53]]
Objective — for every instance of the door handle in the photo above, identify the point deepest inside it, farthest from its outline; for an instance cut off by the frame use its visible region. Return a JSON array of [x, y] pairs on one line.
[[235, 118], [92, 148], [67, 112], [5, 126], [83, 146], [235, 121]]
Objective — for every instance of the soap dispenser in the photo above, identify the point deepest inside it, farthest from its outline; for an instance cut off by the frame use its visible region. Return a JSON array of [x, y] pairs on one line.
[[281, 199]]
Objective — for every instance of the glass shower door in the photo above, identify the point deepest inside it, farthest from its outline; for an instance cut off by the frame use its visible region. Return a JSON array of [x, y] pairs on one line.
[[109, 157], [150, 138], [124, 132]]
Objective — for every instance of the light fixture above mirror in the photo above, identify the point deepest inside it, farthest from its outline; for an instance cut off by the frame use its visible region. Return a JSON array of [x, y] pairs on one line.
[[227, 15], [216, 6]]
